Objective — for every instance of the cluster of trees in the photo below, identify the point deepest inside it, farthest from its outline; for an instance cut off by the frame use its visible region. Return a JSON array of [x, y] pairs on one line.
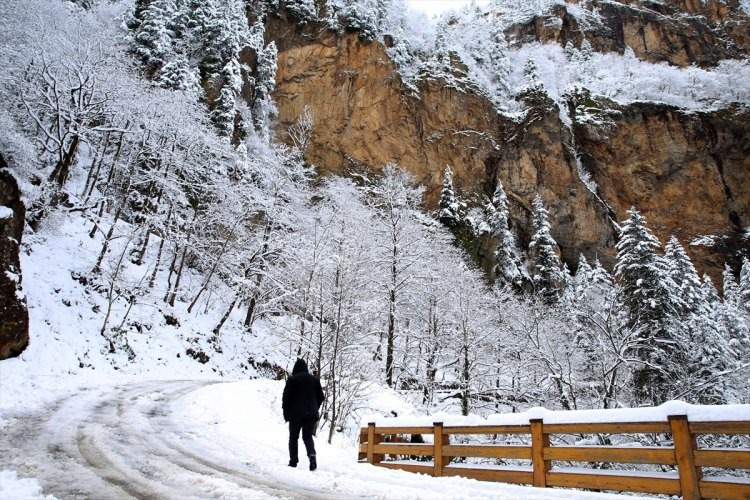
[[195, 46], [352, 274], [654, 328]]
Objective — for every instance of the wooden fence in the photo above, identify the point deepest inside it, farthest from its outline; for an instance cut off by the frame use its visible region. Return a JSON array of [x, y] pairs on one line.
[[682, 460]]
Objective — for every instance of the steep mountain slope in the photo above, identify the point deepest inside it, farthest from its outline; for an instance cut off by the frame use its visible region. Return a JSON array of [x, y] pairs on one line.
[[590, 158]]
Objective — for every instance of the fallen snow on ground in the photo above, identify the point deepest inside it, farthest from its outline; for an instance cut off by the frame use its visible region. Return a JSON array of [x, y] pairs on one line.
[[225, 430]]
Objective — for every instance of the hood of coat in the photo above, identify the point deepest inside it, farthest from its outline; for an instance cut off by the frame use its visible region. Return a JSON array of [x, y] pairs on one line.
[[299, 366]]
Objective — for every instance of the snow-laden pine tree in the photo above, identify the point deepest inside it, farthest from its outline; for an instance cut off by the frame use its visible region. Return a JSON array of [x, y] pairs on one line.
[[743, 291], [733, 318], [304, 11], [706, 343], [653, 303], [264, 108], [363, 16], [684, 275], [547, 273], [507, 261], [449, 208], [729, 285], [500, 65], [153, 37], [580, 281]]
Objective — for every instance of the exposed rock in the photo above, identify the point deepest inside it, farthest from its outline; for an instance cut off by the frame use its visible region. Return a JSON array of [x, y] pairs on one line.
[[686, 172], [681, 32], [362, 116], [14, 316]]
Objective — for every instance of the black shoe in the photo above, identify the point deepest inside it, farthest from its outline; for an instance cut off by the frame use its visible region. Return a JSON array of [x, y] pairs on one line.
[[313, 462], [292, 464]]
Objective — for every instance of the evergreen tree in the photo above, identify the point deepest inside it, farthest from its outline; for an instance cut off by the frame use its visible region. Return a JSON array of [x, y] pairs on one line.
[[363, 16], [448, 213], [507, 262], [707, 345], [500, 66], [304, 11], [743, 291], [264, 109], [729, 285], [548, 276], [153, 38], [710, 294], [648, 293], [684, 275], [735, 323]]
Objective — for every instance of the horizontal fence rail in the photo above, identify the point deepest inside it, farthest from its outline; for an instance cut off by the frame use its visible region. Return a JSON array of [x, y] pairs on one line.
[[681, 461]]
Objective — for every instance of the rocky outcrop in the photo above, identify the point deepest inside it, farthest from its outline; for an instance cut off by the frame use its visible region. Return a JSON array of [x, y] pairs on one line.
[[686, 172], [362, 116], [14, 317], [681, 32]]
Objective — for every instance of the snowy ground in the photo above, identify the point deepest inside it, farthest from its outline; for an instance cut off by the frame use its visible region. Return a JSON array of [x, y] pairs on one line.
[[77, 421], [196, 439]]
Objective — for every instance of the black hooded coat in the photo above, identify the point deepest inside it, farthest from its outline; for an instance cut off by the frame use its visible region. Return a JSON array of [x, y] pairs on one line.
[[303, 395]]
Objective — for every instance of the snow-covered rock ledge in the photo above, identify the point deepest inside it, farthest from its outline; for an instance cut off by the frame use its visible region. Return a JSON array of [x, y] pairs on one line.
[[694, 413]]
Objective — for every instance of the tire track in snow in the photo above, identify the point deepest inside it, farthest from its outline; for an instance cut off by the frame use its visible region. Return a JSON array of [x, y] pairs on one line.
[[126, 443]]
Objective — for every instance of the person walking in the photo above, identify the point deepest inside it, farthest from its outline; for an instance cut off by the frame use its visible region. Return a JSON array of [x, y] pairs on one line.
[[300, 403]]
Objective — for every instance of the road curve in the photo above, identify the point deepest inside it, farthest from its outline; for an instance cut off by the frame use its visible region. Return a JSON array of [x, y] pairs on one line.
[[126, 442]]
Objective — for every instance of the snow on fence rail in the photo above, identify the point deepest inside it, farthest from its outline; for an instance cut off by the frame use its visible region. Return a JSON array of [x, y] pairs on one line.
[[386, 446]]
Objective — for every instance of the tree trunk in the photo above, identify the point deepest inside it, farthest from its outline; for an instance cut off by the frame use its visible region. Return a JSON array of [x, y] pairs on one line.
[[250, 316], [62, 169], [107, 239], [172, 294], [96, 166], [466, 380], [224, 318], [390, 338]]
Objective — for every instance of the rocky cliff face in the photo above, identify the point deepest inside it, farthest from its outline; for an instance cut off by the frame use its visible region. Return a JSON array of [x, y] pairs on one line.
[[680, 32], [14, 317], [363, 117], [686, 172]]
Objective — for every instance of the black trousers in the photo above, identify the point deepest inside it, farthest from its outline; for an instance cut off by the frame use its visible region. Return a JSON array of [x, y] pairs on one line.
[[306, 426]]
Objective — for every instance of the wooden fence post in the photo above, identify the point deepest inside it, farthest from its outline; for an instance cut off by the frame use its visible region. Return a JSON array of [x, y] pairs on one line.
[[539, 441], [371, 442], [362, 439], [684, 446], [437, 450]]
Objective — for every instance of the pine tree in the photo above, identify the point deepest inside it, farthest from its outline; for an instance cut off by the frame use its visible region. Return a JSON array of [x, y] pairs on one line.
[[548, 277], [730, 286], [304, 11], [153, 38], [743, 291], [707, 347], [448, 213], [733, 320], [647, 289], [362, 16], [710, 293], [500, 65], [264, 110], [507, 263], [686, 278]]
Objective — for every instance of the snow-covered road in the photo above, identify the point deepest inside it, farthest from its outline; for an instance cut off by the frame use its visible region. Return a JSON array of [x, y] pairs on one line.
[[128, 443], [196, 439]]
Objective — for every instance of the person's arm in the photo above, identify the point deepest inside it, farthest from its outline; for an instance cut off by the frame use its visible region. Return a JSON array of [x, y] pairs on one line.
[[285, 401], [319, 396]]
